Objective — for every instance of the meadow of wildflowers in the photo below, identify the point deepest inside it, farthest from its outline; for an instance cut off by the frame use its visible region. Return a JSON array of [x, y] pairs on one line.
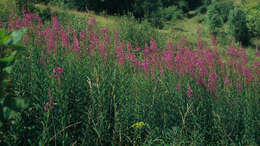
[[89, 87]]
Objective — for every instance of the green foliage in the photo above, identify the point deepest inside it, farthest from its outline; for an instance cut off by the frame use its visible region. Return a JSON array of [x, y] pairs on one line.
[[45, 14], [172, 13], [138, 34], [9, 106], [252, 11], [25, 4], [237, 26], [6, 7], [218, 13]]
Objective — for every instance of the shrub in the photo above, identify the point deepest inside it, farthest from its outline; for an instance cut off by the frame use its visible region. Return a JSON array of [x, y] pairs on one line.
[[218, 13], [237, 26], [138, 33], [10, 105], [172, 12], [25, 4], [252, 11]]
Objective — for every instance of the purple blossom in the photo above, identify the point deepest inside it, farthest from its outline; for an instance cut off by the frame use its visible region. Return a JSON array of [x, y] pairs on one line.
[[28, 18], [48, 106], [226, 81], [198, 31], [57, 72], [64, 39], [145, 65], [82, 35], [213, 41], [257, 53], [76, 46], [55, 21], [257, 64], [153, 45], [138, 49], [93, 20], [104, 31], [189, 92], [213, 78]]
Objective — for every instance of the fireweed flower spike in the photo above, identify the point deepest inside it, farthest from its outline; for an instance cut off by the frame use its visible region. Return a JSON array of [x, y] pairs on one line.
[[57, 72], [48, 106], [189, 92]]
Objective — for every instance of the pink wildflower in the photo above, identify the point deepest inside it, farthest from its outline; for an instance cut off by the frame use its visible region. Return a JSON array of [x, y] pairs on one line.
[[153, 45], [19, 24], [226, 81], [93, 20], [55, 22], [28, 18], [138, 49], [145, 65], [38, 19], [76, 46], [189, 92], [104, 31], [213, 41], [256, 64], [198, 31], [212, 81], [48, 105], [239, 86], [146, 51], [64, 39], [57, 72], [257, 53], [82, 34], [178, 87]]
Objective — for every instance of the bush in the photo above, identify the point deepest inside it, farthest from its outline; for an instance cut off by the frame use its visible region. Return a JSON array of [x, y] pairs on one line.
[[6, 8], [252, 11], [172, 12], [218, 13], [25, 4], [237, 26], [130, 30]]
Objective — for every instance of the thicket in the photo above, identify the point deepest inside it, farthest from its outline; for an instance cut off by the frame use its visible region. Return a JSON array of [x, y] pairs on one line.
[[242, 22], [155, 11], [237, 26], [218, 13]]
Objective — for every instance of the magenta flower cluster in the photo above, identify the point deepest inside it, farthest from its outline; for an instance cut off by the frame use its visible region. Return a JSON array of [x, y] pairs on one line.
[[201, 63], [57, 72]]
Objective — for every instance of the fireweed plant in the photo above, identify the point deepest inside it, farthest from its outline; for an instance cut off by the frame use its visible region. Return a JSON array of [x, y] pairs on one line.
[[88, 88]]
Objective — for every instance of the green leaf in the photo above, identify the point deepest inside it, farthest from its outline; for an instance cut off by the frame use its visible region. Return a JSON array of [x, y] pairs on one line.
[[2, 33], [15, 103], [8, 113], [16, 36], [5, 40], [8, 69], [17, 47], [8, 59]]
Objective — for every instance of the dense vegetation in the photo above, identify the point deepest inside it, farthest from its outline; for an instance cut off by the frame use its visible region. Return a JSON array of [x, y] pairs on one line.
[[80, 83]]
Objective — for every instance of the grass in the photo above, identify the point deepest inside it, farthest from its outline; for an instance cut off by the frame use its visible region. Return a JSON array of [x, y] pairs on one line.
[[102, 21]]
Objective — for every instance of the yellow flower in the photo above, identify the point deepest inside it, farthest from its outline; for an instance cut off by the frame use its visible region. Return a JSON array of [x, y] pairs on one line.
[[138, 125]]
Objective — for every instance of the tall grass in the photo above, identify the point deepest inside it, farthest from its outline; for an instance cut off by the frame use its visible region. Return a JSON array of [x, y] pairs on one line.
[[94, 88]]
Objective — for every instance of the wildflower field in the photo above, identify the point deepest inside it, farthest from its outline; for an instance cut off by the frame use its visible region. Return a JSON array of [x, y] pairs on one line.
[[91, 87]]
